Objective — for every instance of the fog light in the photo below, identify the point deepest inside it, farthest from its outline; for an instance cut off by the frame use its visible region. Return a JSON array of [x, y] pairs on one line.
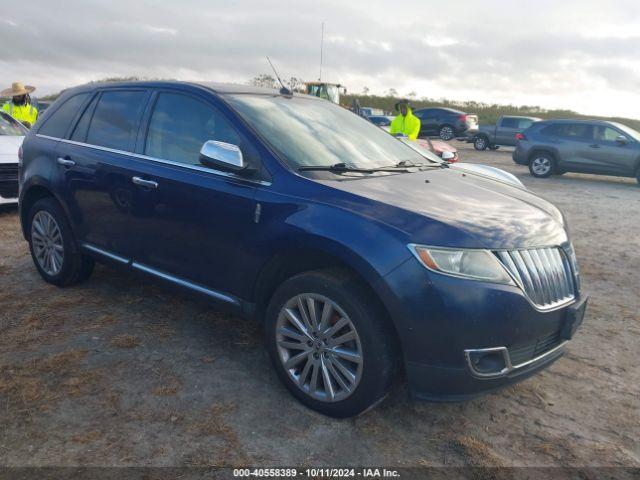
[[488, 362]]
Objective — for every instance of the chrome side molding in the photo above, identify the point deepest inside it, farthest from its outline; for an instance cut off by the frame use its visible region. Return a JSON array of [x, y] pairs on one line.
[[185, 283], [163, 275]]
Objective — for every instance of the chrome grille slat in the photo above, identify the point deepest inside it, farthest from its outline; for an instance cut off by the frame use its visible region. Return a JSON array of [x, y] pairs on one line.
[[544, 274]]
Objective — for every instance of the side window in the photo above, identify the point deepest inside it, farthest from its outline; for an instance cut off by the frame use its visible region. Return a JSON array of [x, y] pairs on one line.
[[578, 131], [509, 122], [524, 123], [115, 120], [80, 131], [180, 125], [57, 124], [606, 134], [552, 130]]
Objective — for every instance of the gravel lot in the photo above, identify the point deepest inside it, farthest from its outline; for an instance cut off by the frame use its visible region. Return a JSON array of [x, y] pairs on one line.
[[123, 371]]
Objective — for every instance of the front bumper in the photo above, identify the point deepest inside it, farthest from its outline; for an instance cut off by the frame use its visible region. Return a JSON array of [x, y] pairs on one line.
[[9, 181], [441, 320]]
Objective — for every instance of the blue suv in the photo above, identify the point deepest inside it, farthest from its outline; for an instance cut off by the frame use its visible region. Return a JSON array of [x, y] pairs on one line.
[[364, 256]]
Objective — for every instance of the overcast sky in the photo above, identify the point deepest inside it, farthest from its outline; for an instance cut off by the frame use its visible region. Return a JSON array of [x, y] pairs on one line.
[[583, 55]]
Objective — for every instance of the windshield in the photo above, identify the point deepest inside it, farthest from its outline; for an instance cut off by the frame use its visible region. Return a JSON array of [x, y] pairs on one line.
[[307, 132], [629, 131], [324, 91], [9, 126]]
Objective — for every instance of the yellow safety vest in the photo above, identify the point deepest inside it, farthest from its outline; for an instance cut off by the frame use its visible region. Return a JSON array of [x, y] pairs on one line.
[[22, 113]]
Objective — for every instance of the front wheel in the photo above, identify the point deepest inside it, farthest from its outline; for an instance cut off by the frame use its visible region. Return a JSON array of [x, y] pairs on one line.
[[446, 132], [541, 165], [330, 342]]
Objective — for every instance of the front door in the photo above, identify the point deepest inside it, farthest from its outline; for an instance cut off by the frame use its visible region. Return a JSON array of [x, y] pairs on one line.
[[193, 223], [606, 155]]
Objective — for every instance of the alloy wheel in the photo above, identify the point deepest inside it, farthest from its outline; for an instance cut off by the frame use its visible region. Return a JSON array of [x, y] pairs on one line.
[[541, 166], [446, 133], [319, 347], [481, 143], [48, 246]]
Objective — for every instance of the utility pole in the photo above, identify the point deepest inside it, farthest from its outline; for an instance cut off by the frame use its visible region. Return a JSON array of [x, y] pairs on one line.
[[321, 45]]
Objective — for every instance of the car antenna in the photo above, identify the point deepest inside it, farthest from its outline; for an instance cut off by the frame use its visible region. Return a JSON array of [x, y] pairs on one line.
[[284, 90]]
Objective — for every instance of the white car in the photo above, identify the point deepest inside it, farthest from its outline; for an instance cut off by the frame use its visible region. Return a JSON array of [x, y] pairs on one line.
[[12, 133]]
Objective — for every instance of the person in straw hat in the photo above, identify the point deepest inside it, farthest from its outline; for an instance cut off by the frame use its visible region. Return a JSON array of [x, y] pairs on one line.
[[19, 107]]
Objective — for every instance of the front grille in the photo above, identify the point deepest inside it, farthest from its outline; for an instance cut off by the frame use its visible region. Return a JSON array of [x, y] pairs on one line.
[[8, 180], [520, 354], [544, 274]]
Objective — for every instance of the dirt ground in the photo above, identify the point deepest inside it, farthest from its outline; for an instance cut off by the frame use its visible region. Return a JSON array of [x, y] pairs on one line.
[[122, 371]]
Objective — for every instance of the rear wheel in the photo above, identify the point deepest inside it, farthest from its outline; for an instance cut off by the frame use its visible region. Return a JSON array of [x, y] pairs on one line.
[[481, 143], [541, 165], [330, 342], [446, 132], [53, 248]]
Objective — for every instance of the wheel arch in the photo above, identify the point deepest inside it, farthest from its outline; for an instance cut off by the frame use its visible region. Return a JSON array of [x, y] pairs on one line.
[[537, 150], [287, 263], [28, 197]]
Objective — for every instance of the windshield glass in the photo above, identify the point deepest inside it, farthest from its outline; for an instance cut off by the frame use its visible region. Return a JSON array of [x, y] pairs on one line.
[[307, 132], [629, 131], [9, 126]]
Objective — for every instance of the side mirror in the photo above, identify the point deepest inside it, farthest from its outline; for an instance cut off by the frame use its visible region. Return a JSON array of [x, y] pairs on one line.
[[447, 156], [222, 156], [621, 140]]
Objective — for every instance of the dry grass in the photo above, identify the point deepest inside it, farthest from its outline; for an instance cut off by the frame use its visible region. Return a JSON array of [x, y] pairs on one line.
[[214, 423], [125, 341], [475, 452], [38, 383]]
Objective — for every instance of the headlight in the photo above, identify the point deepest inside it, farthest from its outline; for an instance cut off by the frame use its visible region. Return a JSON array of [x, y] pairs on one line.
[[472, 264]]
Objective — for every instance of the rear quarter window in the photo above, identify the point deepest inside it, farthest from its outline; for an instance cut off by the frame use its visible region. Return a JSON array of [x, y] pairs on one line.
[[57, 122]]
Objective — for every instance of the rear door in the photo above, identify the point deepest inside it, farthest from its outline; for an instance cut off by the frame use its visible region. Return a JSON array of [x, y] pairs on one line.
[[95, 160], [429, 121], [574, 145], [197, 223]]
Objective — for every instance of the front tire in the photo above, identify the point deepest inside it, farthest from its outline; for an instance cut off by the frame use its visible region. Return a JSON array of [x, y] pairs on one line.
[[446, 132], [481, 143], [53, 248], [541, 165], [330, 342]]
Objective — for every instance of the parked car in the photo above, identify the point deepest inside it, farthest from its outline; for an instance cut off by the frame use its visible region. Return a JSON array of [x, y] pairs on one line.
[[356, 251], [370, 112], [502, 133], [447, 123], [586, 146], [12, 133], [446, 152]]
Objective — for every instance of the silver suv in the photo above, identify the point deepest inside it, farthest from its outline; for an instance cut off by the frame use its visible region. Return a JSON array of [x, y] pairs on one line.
[[586, 146]]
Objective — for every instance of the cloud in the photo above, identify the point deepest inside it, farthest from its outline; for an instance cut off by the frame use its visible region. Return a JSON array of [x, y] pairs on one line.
[[574, 54]]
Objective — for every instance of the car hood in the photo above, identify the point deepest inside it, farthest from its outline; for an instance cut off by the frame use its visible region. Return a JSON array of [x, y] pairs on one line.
[[456, 208], [9, 146]]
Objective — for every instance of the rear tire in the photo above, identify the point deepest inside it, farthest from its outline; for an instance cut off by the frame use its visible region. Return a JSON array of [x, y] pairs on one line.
[[446, 132], [541, 164], [53, 248], [481, 143], [360, 374]]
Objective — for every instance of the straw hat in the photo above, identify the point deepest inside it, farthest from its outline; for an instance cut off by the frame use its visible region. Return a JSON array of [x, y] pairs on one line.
[[16, 90]]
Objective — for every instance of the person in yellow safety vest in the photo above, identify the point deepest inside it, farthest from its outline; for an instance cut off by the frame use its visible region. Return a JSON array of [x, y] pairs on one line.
[[19, 107], [406, 123]]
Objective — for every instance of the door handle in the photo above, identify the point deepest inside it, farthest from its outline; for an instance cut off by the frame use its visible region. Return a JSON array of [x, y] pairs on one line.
[[144, 183], [595, 145], [66, 162]]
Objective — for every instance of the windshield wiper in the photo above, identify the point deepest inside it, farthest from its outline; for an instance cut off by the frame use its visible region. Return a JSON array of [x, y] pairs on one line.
[[343, 167], [408, 164]]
